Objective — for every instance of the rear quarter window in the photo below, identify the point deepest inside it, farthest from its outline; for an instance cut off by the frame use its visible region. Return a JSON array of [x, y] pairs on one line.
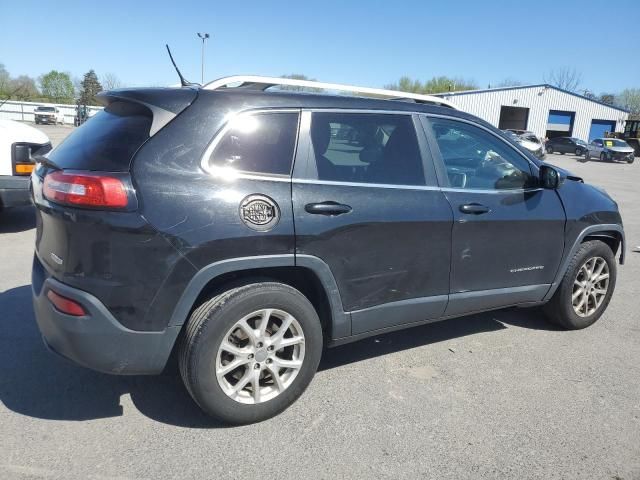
[[257, 143], [106, 142]]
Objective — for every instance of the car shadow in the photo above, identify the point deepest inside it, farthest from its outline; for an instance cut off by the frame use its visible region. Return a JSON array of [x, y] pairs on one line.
[[37, 383], [19, 219]]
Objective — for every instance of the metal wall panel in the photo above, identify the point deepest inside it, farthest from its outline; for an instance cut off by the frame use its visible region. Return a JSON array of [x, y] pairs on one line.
[[539, 99]]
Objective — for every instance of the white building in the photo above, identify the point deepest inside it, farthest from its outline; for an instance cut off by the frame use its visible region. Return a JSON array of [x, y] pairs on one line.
[[546, 110]]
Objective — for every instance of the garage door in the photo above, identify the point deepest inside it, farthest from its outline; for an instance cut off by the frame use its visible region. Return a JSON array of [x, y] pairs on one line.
[[599, 127], [514, 118], [560, 123]]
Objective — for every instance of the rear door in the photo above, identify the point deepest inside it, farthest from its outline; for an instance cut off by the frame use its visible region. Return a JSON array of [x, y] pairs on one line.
[[508, 234], [366, 202]]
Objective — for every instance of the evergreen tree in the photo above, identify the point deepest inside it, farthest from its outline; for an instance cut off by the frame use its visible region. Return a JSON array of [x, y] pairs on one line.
[[89, 88]]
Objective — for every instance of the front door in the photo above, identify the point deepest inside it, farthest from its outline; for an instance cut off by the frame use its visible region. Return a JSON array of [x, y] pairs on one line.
[[366, 203], [508, 234]]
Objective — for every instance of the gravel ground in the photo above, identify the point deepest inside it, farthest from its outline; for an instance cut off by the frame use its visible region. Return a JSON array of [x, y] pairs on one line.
[[497, 395]]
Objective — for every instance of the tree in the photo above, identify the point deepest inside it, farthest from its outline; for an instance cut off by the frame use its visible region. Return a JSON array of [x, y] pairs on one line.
[[90, 87], [629, 98], [110, 81], [508, 82], [565, 78], [24, 88], [4, 81], [57, 86], [298, 76], [435, 85], [608, 98]]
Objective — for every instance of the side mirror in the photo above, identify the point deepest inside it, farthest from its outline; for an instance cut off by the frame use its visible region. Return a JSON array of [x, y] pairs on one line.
[[549, 177]]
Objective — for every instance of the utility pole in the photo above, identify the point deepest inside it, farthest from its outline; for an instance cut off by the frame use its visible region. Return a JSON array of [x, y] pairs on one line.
[[204, 37]]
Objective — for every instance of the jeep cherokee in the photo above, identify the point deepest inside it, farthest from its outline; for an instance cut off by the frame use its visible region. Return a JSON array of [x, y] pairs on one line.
[[246, 228]]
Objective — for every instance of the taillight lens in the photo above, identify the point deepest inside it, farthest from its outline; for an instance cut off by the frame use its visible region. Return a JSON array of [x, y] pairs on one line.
[[66, 305], [85, 190]]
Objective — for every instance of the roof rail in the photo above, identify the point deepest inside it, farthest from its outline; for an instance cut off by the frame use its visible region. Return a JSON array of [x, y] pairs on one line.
[[256, 82]]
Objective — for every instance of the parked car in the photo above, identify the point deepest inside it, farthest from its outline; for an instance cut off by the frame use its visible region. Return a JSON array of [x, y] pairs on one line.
[[48, 115], [527, 140], [610, 149], [18, 145], [566, 145], [269, 236]]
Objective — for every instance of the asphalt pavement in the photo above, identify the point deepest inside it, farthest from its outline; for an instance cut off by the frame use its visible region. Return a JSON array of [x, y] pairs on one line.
[[498, 395]]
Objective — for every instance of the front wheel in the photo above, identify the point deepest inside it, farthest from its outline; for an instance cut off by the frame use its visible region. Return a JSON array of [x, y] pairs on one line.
[[251, 351], [603, 157], [578, 151], [549, 149], [631, 160], [586, 288]]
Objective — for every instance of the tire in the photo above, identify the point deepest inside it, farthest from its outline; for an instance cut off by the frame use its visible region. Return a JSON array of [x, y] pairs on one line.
[[549, 149], [585, 158], [631, 160], [603, 157], [560, 309], [201, 356], [578, 152]]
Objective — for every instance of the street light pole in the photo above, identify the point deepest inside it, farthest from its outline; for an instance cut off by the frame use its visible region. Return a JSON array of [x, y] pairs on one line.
[[204, 37]]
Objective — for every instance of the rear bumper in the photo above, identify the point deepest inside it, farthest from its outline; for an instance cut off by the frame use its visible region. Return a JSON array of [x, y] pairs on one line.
[[96, 341], [14, 191]]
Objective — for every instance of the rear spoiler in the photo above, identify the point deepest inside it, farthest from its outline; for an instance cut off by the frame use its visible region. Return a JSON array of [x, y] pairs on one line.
[[163, 103]]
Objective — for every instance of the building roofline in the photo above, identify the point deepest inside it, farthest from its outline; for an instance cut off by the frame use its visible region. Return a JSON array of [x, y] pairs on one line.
[[535, 85]]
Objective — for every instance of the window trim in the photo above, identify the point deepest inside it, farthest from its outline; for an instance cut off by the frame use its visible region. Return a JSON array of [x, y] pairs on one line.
[[305, 169], [443, 178], [220, 134]]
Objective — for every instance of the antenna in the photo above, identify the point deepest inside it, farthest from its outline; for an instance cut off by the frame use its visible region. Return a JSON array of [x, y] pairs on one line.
[[183, 82]]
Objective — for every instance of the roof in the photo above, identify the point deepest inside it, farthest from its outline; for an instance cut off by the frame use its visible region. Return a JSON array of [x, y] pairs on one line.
[[522, 87]]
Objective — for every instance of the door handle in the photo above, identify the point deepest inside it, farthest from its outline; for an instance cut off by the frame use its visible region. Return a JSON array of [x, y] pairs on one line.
[[327, 208], [474, 208]]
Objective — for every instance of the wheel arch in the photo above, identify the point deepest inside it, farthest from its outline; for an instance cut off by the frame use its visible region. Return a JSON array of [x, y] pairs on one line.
[[611, 234], [308, 274]]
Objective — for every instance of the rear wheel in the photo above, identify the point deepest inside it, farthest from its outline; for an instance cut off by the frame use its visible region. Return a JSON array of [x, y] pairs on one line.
[[250, 352], [586, 288]]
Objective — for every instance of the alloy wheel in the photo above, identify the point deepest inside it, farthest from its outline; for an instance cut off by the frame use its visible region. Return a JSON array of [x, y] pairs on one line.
[[260, 356], [590, 286]]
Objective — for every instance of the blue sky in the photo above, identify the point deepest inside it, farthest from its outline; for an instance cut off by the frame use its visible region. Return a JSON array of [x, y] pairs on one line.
[[368, 43]]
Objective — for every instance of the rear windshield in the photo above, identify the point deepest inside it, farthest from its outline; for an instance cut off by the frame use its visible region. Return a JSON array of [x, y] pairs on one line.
[[107, 141], [45, 109]]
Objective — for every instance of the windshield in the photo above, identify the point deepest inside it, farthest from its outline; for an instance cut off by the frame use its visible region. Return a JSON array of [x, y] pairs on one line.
[[613, 142], [45, 109], [579, 142]]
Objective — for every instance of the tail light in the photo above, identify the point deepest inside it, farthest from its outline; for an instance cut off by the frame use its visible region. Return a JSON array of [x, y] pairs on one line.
[[90, 190], [66, 305]]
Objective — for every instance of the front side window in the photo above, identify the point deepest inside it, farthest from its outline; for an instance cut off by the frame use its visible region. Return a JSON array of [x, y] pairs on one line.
[[597, 143], [476, 159], [366, 148], [257, 143]]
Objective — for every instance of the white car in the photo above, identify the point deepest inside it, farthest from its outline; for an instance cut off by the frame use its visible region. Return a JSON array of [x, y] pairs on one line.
[[19, 143], [49, 114]]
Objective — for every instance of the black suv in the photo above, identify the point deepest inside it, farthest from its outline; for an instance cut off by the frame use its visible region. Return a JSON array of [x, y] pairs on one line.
[[245, 229], [566, 145]]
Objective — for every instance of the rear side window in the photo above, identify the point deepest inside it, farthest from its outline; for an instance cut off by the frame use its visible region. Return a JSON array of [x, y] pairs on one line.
[[258, 143], [366, 148], [107, 141]]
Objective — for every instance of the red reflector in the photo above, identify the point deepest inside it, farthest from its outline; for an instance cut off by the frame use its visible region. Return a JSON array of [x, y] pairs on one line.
[[66, 305], [85, 190]]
